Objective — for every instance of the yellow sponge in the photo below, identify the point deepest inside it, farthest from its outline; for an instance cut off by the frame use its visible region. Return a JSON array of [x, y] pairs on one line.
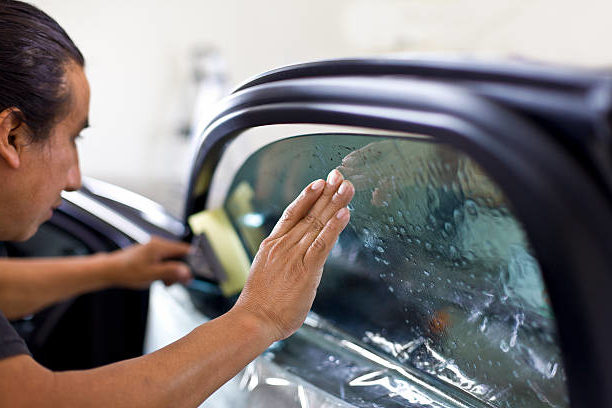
[[227, 247]]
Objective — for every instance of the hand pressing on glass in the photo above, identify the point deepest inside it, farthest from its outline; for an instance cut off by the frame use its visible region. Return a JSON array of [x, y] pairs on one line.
[[288, 266]]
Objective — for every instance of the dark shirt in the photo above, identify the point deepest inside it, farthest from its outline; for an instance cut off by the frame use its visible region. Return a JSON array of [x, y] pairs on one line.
[[10, 342]]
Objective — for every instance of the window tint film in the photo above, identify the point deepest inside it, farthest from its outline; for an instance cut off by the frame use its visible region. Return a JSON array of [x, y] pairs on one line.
[[434, 271]]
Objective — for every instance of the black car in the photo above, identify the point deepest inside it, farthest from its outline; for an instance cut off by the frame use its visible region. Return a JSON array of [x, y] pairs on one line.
[[475, 271]]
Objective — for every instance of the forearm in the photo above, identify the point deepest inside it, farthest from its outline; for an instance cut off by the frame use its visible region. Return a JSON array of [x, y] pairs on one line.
[[182, 374], [27, 286]]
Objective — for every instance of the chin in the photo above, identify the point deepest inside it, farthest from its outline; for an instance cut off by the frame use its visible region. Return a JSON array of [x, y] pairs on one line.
[[26, 234], [24, 237]]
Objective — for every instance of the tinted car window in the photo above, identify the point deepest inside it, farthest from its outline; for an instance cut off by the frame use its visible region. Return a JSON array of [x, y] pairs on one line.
[[434, 270]]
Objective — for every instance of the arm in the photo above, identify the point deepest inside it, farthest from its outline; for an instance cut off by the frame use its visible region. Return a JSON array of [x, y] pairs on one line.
[[28, 285], [180, 375], [274, 303]]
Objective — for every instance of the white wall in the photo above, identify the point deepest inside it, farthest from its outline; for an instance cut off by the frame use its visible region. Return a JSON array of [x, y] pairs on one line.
[[137, 55]]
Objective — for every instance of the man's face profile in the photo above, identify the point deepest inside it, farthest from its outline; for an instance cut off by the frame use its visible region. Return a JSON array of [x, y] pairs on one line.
[[35, 173]]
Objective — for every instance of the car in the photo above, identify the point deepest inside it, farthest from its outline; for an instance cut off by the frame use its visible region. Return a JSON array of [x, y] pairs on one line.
[[475, 271]]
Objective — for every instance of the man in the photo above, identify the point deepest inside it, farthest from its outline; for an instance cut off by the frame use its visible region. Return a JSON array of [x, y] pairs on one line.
[[44, 99]]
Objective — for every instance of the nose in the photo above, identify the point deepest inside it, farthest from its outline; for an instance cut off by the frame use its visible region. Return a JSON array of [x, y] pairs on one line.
[[74, 178]]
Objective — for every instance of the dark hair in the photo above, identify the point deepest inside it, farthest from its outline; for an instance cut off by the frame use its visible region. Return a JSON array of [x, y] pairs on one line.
[[34, 54]]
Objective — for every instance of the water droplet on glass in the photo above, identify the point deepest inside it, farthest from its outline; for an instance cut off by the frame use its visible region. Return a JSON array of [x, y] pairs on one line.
[[380, 249], [552, 369], [457, 216], [504, 346], [471, 207], [391, 289], [483, 325]]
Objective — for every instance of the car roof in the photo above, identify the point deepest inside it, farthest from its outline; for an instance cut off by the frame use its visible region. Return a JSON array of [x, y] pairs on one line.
[[517, 72]]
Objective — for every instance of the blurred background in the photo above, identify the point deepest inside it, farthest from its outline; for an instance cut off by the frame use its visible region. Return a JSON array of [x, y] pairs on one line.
[[156, 67]]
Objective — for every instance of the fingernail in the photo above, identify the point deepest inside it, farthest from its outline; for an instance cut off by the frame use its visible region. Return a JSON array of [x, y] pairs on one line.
[[343, 213], [317, 185], [343, 188], [333, 177]]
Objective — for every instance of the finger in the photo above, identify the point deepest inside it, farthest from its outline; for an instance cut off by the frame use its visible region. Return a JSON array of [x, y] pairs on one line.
[[323, 210], [164, 248], [312, 221], [298, 208], [171, 272], [319, 249]]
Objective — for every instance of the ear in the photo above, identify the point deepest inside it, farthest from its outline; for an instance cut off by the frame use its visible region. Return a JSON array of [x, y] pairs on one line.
[[12, 137]]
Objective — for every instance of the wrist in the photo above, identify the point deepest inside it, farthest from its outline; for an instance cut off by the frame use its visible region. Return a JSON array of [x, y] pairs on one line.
[[254, 325], [109, 266]]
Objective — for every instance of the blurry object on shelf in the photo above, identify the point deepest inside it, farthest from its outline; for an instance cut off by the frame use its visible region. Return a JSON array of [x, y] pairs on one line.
[[210, 84]]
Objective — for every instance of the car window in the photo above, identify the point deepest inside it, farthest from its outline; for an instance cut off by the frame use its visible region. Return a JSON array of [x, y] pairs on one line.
[[434, 272]]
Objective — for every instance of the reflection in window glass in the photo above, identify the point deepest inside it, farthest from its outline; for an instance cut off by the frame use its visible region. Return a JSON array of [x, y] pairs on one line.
[[433, 269]]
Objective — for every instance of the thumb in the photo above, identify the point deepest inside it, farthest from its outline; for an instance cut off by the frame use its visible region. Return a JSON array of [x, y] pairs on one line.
[[173, 271]]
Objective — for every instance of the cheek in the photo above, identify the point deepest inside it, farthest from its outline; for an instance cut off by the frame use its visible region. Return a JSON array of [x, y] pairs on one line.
[[60, 163]]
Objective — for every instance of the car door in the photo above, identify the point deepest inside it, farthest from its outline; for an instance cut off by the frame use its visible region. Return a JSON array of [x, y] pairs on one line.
[[474, 271]]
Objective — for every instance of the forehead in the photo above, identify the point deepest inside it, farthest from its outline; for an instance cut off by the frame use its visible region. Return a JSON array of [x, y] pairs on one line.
[[78, 102]]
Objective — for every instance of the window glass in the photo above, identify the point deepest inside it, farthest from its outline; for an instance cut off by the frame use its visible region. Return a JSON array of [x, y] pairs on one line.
[[433, 271]]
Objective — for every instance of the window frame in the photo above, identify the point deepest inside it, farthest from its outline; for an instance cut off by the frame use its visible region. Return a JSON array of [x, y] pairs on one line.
[[551, 193]]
